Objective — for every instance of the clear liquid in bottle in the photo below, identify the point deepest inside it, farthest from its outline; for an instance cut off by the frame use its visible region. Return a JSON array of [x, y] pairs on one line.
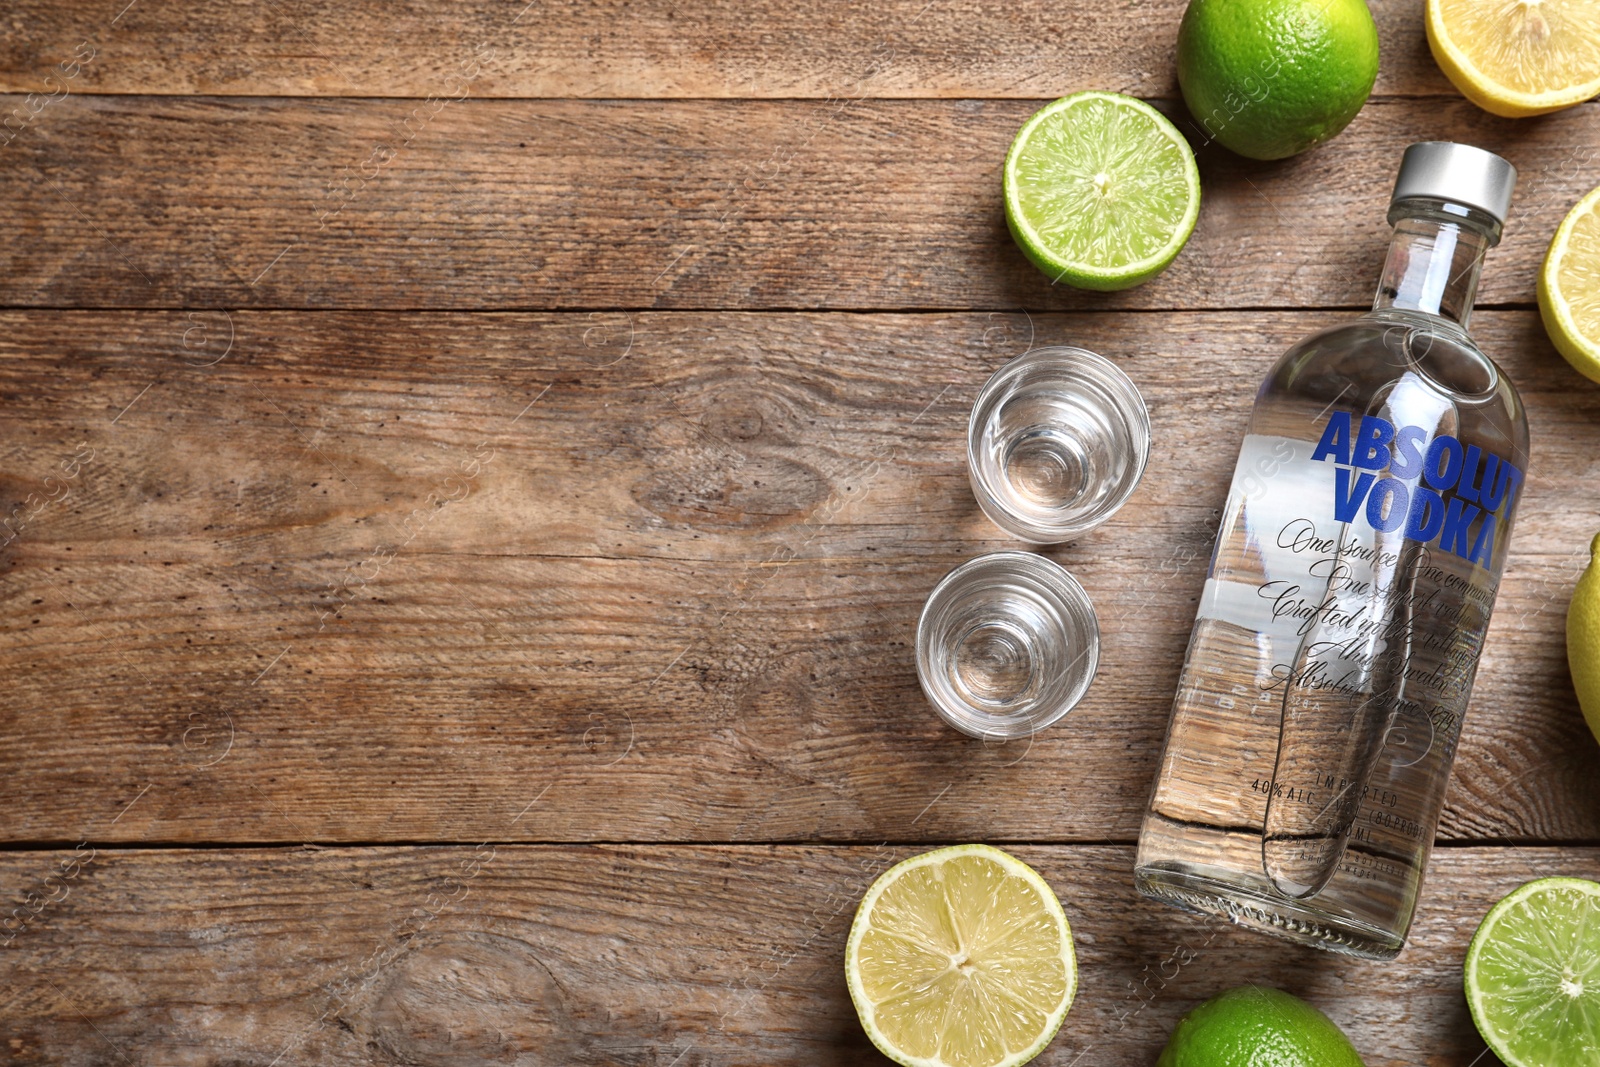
[[1333, 652]]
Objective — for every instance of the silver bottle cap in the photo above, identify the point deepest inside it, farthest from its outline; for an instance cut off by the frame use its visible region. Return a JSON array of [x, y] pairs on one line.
[[1459, 173]]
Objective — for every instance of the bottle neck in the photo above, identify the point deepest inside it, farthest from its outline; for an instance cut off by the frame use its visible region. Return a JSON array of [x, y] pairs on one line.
[[1434, 261]]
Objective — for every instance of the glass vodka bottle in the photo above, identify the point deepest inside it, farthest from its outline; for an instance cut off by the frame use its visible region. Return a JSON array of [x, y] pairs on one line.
[[1349, 590]]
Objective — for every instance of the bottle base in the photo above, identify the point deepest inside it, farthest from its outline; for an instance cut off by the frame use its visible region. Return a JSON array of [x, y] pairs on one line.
[[1274, 915]]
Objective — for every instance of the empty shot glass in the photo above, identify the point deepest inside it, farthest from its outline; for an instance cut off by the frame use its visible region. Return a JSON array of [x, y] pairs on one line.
[[1007, 644], [1057, 441]]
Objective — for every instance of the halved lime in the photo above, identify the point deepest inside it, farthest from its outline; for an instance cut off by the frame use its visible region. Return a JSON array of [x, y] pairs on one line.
[[1101, 191], [961, 957], [1533, 975]]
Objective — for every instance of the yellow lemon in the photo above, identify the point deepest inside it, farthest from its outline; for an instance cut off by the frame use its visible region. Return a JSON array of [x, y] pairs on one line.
[[1583, 639], [1518, 57], [961, 957], [1569, 287]]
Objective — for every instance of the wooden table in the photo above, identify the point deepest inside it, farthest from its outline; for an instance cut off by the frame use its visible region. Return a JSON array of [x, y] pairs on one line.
[[473, 470]]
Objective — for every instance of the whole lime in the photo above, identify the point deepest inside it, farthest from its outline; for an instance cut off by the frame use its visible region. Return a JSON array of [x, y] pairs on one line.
[[1256, 1026], [1272, 78]]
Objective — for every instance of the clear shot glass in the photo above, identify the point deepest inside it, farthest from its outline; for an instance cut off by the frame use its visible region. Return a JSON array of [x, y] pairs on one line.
[[1007, 644], [1057, 441]]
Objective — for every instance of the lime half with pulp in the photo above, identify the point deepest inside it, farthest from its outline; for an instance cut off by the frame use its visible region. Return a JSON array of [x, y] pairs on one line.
[[1532, 975], [961, 957], [1101, 191]]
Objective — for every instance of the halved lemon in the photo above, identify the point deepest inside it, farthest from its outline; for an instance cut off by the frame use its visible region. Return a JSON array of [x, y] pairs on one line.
[[961, 957], [1569, 287], [1518, 57]]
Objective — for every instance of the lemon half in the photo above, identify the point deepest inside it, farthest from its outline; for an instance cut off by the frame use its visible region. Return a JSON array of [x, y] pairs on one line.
[[1518, 57], [961, 957], [1569, 287]]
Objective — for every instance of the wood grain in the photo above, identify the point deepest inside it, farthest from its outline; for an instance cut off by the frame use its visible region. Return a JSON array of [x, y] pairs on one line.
[[395, 577], [646, 48], [636, 956], [224, 203], [400, 515]]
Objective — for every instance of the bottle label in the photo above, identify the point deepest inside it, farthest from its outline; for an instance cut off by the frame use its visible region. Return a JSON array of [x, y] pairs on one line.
[[1330, 641], [1392, 478]]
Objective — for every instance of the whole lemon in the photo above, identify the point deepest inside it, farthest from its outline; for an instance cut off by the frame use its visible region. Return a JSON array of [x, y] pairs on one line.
[[1257, 1026], [1272, 78], [1583, 639]]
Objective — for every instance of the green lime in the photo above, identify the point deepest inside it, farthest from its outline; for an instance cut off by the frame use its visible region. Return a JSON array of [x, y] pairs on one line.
[[1533, 975], [1256, 1026], [1101, 191], [1271, 78]]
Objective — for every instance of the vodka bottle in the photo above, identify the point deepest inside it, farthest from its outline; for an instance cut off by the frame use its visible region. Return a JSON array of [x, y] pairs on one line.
[[1347, 598]]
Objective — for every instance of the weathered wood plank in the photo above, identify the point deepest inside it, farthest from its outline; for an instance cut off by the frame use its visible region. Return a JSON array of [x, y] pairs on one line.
[[633, 955], [218, 202], [650, 48], [330, 577]]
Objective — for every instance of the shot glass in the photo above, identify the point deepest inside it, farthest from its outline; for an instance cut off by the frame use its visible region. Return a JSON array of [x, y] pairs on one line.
[[1007, 644], [1057, 441]]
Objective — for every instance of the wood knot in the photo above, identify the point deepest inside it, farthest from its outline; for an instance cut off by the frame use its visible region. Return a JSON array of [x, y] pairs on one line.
[[473, 999]]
